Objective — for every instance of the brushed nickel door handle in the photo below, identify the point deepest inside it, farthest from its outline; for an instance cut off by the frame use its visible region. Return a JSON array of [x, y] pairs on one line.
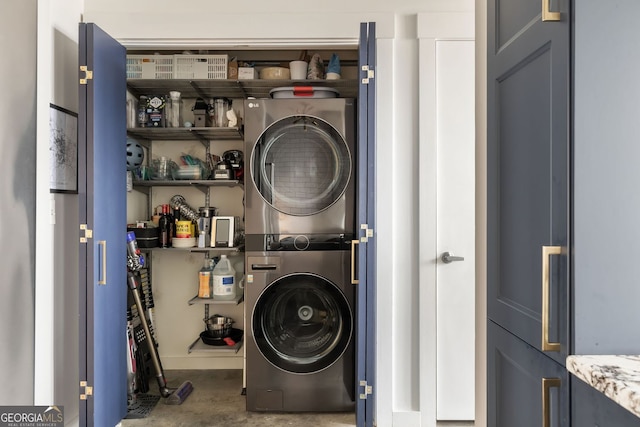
[[448, 258]]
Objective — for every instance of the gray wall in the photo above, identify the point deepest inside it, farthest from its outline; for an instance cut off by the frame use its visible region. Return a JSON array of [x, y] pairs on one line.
[[17, 196], [607, 177]]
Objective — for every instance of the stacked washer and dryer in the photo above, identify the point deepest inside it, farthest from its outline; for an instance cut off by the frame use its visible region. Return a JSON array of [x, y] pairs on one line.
[[299, 223]]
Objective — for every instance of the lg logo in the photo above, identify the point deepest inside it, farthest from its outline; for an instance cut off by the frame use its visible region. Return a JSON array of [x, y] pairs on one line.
[[253, 105]]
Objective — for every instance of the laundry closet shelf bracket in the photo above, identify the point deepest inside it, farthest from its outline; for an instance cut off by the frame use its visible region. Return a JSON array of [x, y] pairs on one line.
[[199, 346], [198, 90], [211, 88], [197, 300], [186, 134], [204, 141], [195, 250]]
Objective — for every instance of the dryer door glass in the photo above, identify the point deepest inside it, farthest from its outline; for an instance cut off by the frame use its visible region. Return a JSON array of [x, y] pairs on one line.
[[302, 323], [301, 165]]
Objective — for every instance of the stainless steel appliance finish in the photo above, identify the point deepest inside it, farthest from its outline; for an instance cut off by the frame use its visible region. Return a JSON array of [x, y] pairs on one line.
[[300, 331], [301, 155]]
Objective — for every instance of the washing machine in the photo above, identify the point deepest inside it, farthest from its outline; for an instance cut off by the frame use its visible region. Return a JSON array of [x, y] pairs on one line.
[[300, 325], [300, 154]]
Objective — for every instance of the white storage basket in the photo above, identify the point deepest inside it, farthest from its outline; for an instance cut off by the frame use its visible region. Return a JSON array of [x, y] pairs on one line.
[[149, 66], [200, 66]]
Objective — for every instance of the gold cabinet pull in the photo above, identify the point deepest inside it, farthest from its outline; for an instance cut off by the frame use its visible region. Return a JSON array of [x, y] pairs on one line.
[[547, 15], [103, 270], [354, 281], [546, 252], [547, 384]]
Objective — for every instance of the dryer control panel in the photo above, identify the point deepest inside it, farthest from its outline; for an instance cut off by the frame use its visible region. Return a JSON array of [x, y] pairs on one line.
[[298, 242]]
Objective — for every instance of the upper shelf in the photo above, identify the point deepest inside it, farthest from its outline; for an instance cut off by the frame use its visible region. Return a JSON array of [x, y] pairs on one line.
[[183, 134], [256, 88]]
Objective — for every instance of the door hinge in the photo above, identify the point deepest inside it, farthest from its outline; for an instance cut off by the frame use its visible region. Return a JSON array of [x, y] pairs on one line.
[[370, 74], [88, 233], [368, 233], [368, 389], [88, 75], [88, 390]]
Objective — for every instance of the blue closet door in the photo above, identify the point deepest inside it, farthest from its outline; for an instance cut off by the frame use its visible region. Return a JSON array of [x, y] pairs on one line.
[[366, 249], [102, 200]]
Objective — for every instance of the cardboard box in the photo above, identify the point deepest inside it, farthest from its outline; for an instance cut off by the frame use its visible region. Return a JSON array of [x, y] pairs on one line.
[[247, 73], [232, 73]]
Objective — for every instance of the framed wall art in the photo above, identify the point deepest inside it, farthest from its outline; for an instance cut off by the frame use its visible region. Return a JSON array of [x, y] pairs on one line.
[[63, 150]]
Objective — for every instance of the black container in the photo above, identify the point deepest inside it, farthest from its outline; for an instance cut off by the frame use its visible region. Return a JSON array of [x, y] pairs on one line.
[[146, 237]]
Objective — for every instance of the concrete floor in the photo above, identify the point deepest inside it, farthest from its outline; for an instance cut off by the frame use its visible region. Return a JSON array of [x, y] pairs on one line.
[[216, 401]]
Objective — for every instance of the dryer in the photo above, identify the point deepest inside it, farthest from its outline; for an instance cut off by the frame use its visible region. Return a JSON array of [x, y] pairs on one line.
[[300, 327], [300, 154]]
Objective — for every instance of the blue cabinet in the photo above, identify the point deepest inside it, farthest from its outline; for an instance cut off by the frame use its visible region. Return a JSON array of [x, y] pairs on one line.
[[562, 174], [528, 238], [591, 408], [525, 385], [528, 174]]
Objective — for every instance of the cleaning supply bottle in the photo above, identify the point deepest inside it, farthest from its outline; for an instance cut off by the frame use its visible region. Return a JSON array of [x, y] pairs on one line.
[[224, 280], [205, 276]]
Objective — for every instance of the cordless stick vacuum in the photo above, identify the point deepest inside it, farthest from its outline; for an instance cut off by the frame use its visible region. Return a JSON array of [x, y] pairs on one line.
[[135, 261]]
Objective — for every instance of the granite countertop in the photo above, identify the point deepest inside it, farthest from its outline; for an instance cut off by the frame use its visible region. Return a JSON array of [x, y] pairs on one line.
[[617, 377]]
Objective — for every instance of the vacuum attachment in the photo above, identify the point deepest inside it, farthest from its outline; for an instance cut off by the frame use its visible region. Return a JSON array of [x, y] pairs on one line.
[[180, 394]]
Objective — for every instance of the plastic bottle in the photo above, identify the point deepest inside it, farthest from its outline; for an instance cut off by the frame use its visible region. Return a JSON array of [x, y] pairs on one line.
[[224, 280], [174, 109], [205, 280], [142, 112], [171, 224]]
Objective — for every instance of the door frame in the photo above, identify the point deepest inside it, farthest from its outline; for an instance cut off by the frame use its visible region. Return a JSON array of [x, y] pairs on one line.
[[386, 24]]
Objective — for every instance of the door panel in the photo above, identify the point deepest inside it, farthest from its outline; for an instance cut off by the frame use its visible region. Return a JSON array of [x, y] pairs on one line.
[[527, 170], [515, 373], [455, 230], [102, 200], [512, 17], [365, 214]]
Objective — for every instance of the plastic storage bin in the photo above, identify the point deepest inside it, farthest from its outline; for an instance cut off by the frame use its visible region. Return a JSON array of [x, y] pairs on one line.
[[150, 66], [200, 66]]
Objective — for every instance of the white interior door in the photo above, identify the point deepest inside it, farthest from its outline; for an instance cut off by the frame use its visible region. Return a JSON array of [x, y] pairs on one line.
[[455, 230]]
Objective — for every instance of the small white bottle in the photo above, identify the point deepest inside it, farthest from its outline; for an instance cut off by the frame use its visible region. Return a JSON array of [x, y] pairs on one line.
[[224, 280]]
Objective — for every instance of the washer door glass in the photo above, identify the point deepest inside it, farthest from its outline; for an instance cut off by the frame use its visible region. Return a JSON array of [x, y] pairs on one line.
[[301, 165], [302, 323]]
